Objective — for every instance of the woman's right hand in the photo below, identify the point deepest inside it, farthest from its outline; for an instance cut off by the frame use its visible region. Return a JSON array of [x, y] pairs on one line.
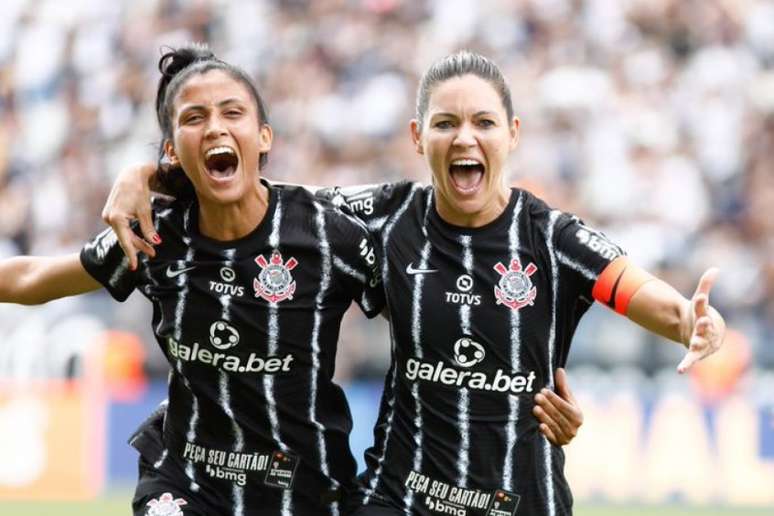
[[129, 200]]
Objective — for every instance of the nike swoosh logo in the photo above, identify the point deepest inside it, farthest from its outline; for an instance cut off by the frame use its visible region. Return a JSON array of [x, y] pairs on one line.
[[174, 274], [411, 270]]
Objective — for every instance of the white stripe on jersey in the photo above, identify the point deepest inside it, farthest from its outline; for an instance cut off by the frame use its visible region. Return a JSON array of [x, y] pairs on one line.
[[416, 334], [224, 398], [325, 280], [349, 271], [182, 281], [569, 262], [268, 380], [551, 343], [385, 279], [513, 401], [463, 404], [122, 268], [390, 225]]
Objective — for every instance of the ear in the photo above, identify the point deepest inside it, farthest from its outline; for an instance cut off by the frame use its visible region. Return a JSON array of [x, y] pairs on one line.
[[416, 135], [265, 137], [514, 129], [169, 152]]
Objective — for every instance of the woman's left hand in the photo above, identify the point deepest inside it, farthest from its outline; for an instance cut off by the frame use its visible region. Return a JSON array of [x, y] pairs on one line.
[[705, 328], [558, 412]]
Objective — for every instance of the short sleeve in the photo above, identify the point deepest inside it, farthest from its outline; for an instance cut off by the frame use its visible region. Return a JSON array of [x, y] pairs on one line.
[[356, 262], [372, 204], [583, 253], [105, 261]]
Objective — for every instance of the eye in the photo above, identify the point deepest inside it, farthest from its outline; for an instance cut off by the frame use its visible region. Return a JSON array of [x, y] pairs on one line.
[[443, 124], [486, 123], [193, 118], [233, 113]]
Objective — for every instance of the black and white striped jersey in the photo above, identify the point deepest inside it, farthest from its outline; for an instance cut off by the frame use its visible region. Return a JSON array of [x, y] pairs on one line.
[[480, 319], [255, 423]]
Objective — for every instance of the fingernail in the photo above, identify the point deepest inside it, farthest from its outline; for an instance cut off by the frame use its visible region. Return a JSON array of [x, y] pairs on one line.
[[544, 391], [156, 239]]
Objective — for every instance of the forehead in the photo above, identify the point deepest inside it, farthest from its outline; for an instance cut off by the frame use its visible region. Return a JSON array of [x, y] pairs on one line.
[[464, 94], [210, 88]]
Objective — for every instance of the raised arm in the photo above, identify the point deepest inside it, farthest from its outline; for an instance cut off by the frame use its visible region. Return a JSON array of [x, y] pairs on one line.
[[129, 200], [34, 280]]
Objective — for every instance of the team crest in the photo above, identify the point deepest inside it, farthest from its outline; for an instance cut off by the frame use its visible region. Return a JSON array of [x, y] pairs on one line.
[[275, 283], [165, 505], [515, 289]]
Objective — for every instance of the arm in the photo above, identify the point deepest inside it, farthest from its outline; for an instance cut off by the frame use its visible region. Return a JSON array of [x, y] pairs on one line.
[[129, 200], [558, 412], [34, 280], [658, 307]]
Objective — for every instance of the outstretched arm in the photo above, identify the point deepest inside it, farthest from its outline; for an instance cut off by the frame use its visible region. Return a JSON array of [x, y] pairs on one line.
[[34, 280], [558, 412], [659, 308]]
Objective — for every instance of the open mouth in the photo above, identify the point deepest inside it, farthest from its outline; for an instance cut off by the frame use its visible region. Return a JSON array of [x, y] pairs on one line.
[[221, 162], [466, 174]]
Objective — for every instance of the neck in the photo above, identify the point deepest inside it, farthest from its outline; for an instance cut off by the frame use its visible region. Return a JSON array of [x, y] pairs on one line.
[[225, 222], [474, 219]]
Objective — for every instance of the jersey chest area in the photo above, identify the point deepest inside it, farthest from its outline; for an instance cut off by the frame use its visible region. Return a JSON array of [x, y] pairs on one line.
[[451, 286]]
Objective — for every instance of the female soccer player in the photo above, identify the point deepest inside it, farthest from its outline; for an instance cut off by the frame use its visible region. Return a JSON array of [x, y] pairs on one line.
[[248, 286], [485, 286]]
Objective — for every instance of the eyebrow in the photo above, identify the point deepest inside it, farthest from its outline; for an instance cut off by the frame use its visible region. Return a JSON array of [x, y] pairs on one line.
[[476, 114], [202, 107]]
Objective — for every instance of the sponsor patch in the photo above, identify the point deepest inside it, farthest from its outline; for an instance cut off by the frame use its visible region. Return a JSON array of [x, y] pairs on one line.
[[282, 470], [504, 504]]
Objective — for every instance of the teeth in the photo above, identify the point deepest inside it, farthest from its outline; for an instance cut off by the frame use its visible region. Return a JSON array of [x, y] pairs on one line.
[[219, 150], [465, 162]]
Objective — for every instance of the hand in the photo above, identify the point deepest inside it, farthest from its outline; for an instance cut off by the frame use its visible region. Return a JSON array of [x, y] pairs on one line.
[[705, 327], [558, 412], [129, 200]]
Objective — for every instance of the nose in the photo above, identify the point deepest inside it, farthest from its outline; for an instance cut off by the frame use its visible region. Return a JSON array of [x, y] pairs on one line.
[[215, 128], [465, 136]]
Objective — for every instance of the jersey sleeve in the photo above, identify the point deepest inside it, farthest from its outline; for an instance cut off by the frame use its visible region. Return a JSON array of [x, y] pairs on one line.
[[356, 263], [583, 254], [372, 204], [105, 261]]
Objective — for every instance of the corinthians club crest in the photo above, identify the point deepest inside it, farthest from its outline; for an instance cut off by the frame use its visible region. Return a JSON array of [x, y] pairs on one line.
[[274, 283], [165, 505], [515, 289]]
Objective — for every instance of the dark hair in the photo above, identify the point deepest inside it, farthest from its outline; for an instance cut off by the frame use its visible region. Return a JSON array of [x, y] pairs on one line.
[[176, 67], [457, 65]]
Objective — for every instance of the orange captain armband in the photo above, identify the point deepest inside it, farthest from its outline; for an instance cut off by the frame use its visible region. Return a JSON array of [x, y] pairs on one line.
[[618, 283]]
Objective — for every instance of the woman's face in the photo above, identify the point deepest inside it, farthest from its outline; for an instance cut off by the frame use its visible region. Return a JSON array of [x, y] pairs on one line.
[[466, 138], [217, 137]]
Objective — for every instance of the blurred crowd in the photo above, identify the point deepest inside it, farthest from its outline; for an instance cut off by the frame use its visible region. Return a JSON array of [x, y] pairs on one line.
[[651, 119]]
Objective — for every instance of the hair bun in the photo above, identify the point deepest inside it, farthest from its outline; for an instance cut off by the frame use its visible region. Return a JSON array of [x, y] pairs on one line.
[[175, 60]]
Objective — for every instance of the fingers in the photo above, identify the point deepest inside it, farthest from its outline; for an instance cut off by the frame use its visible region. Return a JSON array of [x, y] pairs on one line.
[[688, 360], [143, 246], [700, 298], [546, 430], [146, 226], [562, 419]]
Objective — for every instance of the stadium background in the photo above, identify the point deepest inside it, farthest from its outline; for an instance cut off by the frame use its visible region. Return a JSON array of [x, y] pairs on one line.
[[652, 119]]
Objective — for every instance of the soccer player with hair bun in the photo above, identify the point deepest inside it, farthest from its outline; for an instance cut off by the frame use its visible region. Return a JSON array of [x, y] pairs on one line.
[[485, 286], [249, 283]]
